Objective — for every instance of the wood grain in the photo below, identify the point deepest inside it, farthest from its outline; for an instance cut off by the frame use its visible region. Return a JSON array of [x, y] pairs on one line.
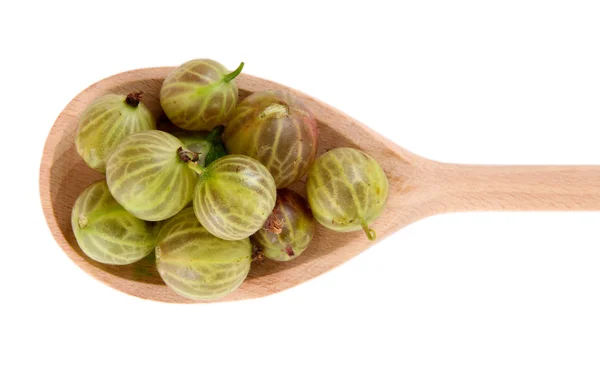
[[418, 188]]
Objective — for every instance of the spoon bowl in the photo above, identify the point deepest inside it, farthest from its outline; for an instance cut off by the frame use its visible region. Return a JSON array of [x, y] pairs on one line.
[[418, 188]]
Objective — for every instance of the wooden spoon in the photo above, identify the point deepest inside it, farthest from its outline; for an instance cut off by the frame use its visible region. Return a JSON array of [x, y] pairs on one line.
[[418, 188]]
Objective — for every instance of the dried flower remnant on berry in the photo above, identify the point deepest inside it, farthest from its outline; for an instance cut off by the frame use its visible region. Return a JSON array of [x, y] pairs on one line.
[[289, 229]]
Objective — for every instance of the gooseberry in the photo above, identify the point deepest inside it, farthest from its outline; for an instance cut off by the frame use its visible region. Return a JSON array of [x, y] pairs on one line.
[[148, 175], [234, 196], [278, 130], [199, 94], [197, 265], [208, 146], [106, 122], [288, 230], [106, 232], [347, 190]]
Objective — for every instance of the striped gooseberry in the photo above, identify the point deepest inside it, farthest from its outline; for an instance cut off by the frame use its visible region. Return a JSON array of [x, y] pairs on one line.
[[278, 130], [106, 232], [197, 265], [149, 176], [234, 196], [106, 122], [288, 230], [199, 94], [347, 190]]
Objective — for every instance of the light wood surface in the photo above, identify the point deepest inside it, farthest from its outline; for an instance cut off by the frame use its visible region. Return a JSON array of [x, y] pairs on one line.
[[418, 188]]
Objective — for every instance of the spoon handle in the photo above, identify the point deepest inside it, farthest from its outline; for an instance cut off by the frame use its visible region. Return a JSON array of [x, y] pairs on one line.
[[481, 188]]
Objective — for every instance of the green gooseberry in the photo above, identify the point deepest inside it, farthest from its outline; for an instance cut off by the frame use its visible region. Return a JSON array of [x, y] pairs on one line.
[[199, 94], [197, 265], [106, 232], [288, 230], [277, 129], [347, 190], [234, 196], [207, 145], [106, 122], [148, 175]]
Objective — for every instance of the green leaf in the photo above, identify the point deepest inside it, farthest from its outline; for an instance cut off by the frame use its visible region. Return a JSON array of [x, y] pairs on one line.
[[216, 151], [217, 148]]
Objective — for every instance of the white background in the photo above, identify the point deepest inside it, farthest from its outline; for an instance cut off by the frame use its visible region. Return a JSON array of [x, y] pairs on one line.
[[511, 82]]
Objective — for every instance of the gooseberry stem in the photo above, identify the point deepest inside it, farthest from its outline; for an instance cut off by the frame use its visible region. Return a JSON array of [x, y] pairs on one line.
[[195, 167], [133, 99], [371, 235], [229, 77]]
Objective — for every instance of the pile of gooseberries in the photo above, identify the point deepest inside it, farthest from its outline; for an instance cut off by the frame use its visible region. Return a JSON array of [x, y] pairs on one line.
[[210, 194]]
